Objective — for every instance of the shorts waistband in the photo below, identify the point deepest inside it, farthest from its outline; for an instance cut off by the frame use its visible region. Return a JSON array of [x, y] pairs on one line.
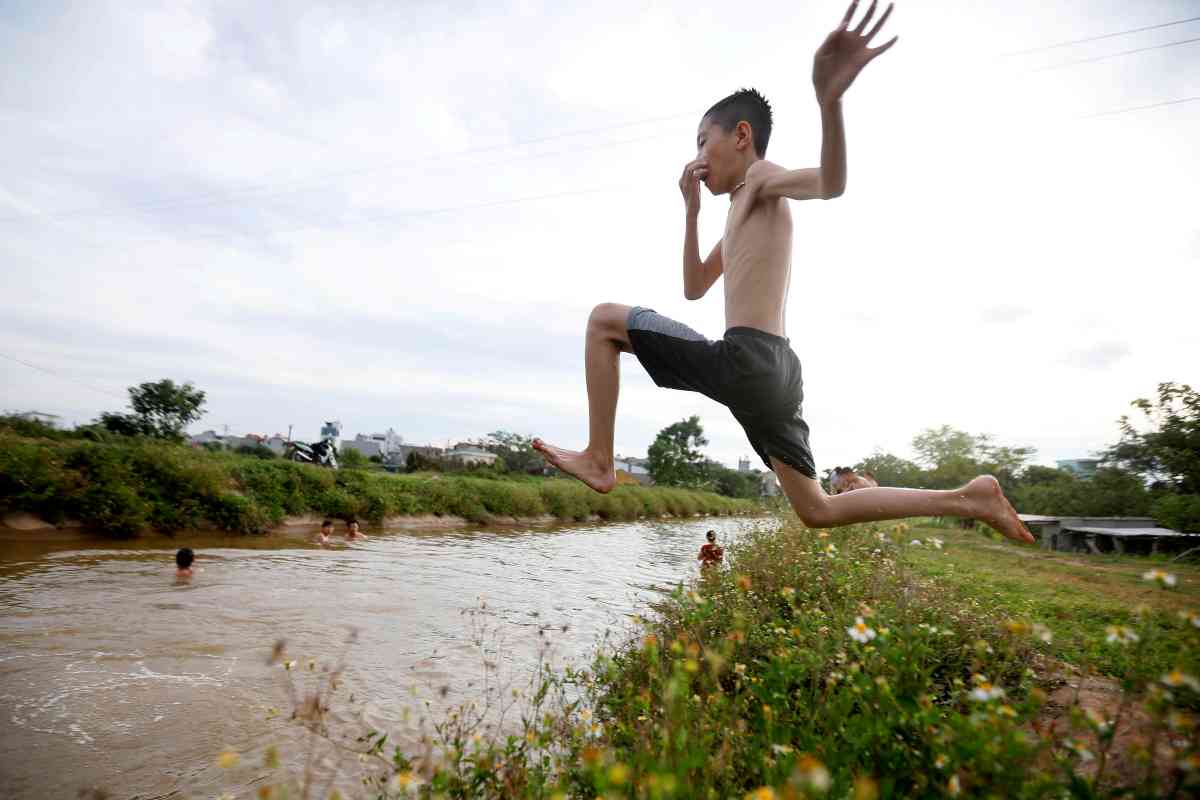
[[743, 330]]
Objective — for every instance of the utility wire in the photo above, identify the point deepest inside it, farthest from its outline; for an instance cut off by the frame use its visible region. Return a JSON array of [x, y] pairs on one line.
[[1115, 55], [62, 377], [1139, 108], [1098, 38], [431, 212], [219, 197], [213, 201]]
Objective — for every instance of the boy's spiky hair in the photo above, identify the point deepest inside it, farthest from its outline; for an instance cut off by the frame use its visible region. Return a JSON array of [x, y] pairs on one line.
[[748, 105]]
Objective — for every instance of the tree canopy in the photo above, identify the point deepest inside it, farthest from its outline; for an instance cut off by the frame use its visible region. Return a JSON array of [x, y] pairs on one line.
[[674, 456], [161, 409]]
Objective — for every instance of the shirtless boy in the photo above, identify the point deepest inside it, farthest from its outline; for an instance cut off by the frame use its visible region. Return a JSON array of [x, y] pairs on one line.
[[752, 369]]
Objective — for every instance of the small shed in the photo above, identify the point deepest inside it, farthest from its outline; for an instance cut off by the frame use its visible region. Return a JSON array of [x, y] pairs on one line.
[[1099, 535]]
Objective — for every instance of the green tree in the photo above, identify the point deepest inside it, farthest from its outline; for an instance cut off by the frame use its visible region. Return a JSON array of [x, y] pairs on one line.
[[1168, 453], [944, 445], [515, 450], [731, 482], [352, 459], [674, 457], [955, 457], [891, 470], [1037, 475], [256, 450], [161, 409]]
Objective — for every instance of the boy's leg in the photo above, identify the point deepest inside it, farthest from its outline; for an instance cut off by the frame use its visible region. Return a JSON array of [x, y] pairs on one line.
[[981, 499], [607, 337]]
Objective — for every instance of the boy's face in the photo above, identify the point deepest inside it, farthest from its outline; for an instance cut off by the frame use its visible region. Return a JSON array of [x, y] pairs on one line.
[[723, 152]]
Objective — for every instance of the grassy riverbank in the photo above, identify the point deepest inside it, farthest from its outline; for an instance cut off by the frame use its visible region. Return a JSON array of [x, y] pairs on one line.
[[125, 487], [877, 661]]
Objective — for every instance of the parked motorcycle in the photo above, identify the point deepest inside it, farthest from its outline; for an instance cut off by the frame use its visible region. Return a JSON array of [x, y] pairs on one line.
[[322, 453]]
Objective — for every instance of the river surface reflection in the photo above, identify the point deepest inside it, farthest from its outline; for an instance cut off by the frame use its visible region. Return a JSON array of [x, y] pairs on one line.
[[112, 675]]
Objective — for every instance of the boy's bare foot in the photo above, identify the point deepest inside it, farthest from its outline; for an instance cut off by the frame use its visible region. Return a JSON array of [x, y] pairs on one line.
[[582, 465], [988, 504]]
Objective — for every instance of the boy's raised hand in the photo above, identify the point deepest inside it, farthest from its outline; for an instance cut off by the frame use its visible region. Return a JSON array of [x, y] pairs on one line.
[[689, 184], [844, 53]]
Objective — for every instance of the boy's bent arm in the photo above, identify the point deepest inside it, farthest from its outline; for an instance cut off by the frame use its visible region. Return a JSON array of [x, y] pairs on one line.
[[698, 276], [768, 181]]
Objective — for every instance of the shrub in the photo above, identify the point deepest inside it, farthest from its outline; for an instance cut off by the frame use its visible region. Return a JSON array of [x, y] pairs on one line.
[[1179, 512]]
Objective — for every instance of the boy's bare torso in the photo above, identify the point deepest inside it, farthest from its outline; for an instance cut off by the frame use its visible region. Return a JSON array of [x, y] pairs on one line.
[[756, 252]]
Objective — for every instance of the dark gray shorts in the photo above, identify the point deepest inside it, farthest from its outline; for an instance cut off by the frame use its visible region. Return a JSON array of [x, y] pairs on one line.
[[753, 373]]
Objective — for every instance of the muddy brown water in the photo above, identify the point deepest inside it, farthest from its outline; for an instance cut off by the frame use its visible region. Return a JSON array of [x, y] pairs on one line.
[[114, 676]]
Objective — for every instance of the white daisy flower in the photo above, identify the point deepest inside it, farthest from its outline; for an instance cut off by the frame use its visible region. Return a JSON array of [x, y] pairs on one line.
[[859, 632], [1176, 678], [1120, 634], [1161, 577]]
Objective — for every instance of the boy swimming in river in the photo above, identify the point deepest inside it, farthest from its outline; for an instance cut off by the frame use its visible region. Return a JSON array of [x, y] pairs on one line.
[[752, 369], [183, 563], [710, 553]]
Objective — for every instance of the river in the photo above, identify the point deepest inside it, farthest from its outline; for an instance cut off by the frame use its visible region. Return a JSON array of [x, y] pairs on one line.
[[113, 675]]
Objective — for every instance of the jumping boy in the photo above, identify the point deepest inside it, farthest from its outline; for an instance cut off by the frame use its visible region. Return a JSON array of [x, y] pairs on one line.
[[752, 369]]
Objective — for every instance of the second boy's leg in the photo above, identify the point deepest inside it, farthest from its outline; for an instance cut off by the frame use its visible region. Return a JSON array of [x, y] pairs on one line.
[[607, 337], [981, 499]]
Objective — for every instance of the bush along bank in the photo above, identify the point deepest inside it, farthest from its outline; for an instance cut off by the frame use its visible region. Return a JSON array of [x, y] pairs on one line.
[[123, 488], [820, 666]]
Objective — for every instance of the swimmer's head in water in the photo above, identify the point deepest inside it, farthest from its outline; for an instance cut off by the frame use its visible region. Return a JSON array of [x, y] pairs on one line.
[[184, 558], [711, 535], [327, 526], [352, 526], [734, 130]]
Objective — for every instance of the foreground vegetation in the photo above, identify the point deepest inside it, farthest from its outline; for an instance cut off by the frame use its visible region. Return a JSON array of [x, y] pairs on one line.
[[123, 486], [878, 661]]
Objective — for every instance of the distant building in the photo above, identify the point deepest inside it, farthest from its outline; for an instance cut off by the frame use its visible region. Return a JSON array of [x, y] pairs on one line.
[[743, 465], [363, 444], [1079, 467], [636, 467], [208, 437], [388, 441], [52, 420], [399, 456], [276, 443], [332, 430], [770, 485], [468, 455]]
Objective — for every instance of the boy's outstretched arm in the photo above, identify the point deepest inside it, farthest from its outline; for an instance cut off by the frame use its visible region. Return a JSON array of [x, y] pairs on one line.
[[836, 64], [698, 276]]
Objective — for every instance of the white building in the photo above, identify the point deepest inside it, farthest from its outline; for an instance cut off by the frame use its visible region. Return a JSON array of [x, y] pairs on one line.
[[51, 420], [637, 467], [468, 456]]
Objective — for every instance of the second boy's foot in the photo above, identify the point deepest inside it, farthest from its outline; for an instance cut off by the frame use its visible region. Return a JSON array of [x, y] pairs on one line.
[[581, 465], [991, 506]]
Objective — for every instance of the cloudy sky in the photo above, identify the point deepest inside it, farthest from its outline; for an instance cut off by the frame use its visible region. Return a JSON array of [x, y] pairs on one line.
[[400, 214]]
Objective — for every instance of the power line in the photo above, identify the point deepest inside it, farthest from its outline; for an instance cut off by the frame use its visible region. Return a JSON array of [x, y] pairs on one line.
[[212, 201], [61, 376], [430, 212], [1139, 108], [1115, 55], [219, 197], [1098, 38]]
